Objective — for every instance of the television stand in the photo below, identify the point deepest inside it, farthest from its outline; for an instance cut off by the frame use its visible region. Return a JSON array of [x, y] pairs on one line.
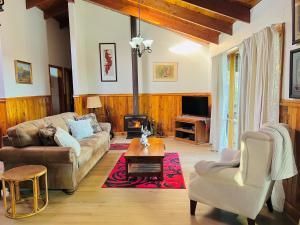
[[192, 129]]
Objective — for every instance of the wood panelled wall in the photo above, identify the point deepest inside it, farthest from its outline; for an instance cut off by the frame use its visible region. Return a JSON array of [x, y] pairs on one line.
[[21, 109], [290, 114], [163, 108]]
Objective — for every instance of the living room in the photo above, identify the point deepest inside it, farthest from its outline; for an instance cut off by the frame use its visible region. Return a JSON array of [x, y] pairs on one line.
[[207, 76]]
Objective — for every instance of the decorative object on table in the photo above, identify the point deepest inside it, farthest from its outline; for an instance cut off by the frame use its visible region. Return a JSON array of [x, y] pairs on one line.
[[119, 146], [108, 62], [145, 134], [20, 174], [138, 44], [1, 5], [295, 74], [296, 21], [23, 72], [165, 71], [173, 177]]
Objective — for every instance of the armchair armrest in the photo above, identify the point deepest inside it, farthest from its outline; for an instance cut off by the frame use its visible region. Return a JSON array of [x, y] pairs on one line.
[[105, 127], [38, 154]]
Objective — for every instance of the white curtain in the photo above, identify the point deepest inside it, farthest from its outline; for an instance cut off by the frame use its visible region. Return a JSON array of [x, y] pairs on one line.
[[260, 80], [261, 58], [220, 84]]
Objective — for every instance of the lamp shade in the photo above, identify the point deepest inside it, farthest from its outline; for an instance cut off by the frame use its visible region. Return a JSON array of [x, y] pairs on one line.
[[93, 102]]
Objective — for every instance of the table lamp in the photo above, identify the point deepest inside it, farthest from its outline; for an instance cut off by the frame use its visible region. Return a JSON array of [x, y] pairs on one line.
[[93, 102]]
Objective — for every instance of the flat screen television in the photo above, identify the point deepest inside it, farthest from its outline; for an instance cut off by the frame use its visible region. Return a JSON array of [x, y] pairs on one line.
[[195, 105]]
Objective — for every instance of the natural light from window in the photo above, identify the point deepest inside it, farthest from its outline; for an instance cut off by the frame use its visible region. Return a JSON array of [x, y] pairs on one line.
[[185, 48]]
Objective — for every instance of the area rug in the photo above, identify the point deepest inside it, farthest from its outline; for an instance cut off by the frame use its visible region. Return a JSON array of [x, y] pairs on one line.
[[119, 146], [173, 178]]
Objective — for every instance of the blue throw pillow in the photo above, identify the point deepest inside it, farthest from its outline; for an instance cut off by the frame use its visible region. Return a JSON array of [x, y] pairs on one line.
[[81, 129]]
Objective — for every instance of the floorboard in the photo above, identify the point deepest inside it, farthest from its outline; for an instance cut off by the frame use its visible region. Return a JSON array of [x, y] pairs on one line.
[[92, 205]]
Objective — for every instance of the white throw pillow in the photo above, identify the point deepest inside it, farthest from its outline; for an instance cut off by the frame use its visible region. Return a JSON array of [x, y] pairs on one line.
[[81, 129], [64, 139]]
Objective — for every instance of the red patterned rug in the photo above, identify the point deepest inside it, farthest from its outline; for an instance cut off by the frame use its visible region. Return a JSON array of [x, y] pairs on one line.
[[173, 178], [119, 146]]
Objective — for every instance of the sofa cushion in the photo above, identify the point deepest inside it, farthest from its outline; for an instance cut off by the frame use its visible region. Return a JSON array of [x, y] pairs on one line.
[[81, 129], [26, 134], [94, 123], [64, 139], [95, 141], [85, 155], [47, 135]]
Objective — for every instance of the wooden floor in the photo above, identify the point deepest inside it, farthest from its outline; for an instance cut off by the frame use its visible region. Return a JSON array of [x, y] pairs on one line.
[[92, 205]]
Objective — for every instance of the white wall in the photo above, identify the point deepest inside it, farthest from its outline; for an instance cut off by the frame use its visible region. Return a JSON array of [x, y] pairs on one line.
[[26, 36], [91, 24], [194, 62], [59, 49], [264, 14]]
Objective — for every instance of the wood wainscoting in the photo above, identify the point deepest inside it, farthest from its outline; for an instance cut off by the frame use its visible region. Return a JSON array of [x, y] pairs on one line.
[[290, 114], [20, 109], [163, 108]]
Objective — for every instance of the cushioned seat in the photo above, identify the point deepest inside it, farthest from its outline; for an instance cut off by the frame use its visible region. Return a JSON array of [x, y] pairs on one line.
[[95, 141], [85, 155]]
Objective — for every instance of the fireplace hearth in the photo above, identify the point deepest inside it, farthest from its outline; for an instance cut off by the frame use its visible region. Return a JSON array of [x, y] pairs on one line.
[[133, 125]]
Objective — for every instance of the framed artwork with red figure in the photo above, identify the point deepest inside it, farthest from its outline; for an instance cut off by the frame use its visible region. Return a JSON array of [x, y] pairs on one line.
[[108, 62]]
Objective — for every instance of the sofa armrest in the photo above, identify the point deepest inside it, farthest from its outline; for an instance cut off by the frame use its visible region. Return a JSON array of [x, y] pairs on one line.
[[6, 141], [105, 127], [38, 154]]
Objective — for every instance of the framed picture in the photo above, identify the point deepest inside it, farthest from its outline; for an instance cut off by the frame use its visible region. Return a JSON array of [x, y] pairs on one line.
[[295, 74], [296, 21], [108, 62], [165, 71], [23, 72]]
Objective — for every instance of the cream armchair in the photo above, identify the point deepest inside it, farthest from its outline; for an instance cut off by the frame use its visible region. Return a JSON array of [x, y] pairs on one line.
[[242, 190]]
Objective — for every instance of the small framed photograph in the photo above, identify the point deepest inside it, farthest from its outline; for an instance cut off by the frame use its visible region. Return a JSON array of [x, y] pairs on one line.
[[295, 74], [23, 72], [165, 72], [296, 21], [108, 62]]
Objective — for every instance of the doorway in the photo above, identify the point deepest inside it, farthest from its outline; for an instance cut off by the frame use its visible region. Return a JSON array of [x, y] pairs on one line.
[[61, 86]]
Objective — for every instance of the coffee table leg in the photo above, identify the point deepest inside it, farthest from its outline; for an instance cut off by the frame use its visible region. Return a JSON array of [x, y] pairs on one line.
[[126, 165], [162, 169]]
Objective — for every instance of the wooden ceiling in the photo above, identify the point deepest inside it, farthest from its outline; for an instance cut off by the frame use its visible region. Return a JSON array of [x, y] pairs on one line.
[[202, 20]]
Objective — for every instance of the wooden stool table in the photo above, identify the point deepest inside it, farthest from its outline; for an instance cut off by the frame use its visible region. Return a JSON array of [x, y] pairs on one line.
[[20, 174]]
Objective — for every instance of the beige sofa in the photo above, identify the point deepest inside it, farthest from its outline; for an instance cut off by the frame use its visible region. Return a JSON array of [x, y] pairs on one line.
[[65, 170]]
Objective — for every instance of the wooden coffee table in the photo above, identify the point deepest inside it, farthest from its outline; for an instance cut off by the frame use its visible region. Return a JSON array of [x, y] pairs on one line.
[[145, 162]]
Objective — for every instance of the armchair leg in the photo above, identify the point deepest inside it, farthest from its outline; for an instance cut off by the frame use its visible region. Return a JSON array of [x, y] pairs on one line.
[[193, 205], [251, 221], [269, 205]]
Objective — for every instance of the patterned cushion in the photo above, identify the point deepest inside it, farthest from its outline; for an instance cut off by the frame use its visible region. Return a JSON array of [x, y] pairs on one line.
[[94, 123], [47, 135]]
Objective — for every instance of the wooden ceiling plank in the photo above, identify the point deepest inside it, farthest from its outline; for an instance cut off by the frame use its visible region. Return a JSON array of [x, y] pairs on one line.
[[224, 7], [160, 19], [33, 3], [188, 15]]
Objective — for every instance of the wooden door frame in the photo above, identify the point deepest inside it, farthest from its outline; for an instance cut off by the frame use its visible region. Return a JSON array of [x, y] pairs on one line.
[[60, 86]]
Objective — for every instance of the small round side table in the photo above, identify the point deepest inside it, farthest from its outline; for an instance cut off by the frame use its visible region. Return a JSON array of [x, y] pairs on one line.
[[20, 174]]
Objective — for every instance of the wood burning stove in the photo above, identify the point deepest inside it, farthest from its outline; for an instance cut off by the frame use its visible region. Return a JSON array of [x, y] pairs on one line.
[[133, 125]]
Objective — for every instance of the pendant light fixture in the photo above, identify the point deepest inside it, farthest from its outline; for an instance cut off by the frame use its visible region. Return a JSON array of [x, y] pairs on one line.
[[138, 43]]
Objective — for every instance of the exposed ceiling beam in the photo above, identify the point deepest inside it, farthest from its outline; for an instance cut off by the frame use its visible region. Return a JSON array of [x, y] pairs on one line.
[[160, 19], [56, 11], [33, 3], [188, 15], [224, 7]]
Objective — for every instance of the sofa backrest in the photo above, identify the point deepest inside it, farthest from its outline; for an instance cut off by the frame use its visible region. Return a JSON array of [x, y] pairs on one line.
[[27, 133]]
